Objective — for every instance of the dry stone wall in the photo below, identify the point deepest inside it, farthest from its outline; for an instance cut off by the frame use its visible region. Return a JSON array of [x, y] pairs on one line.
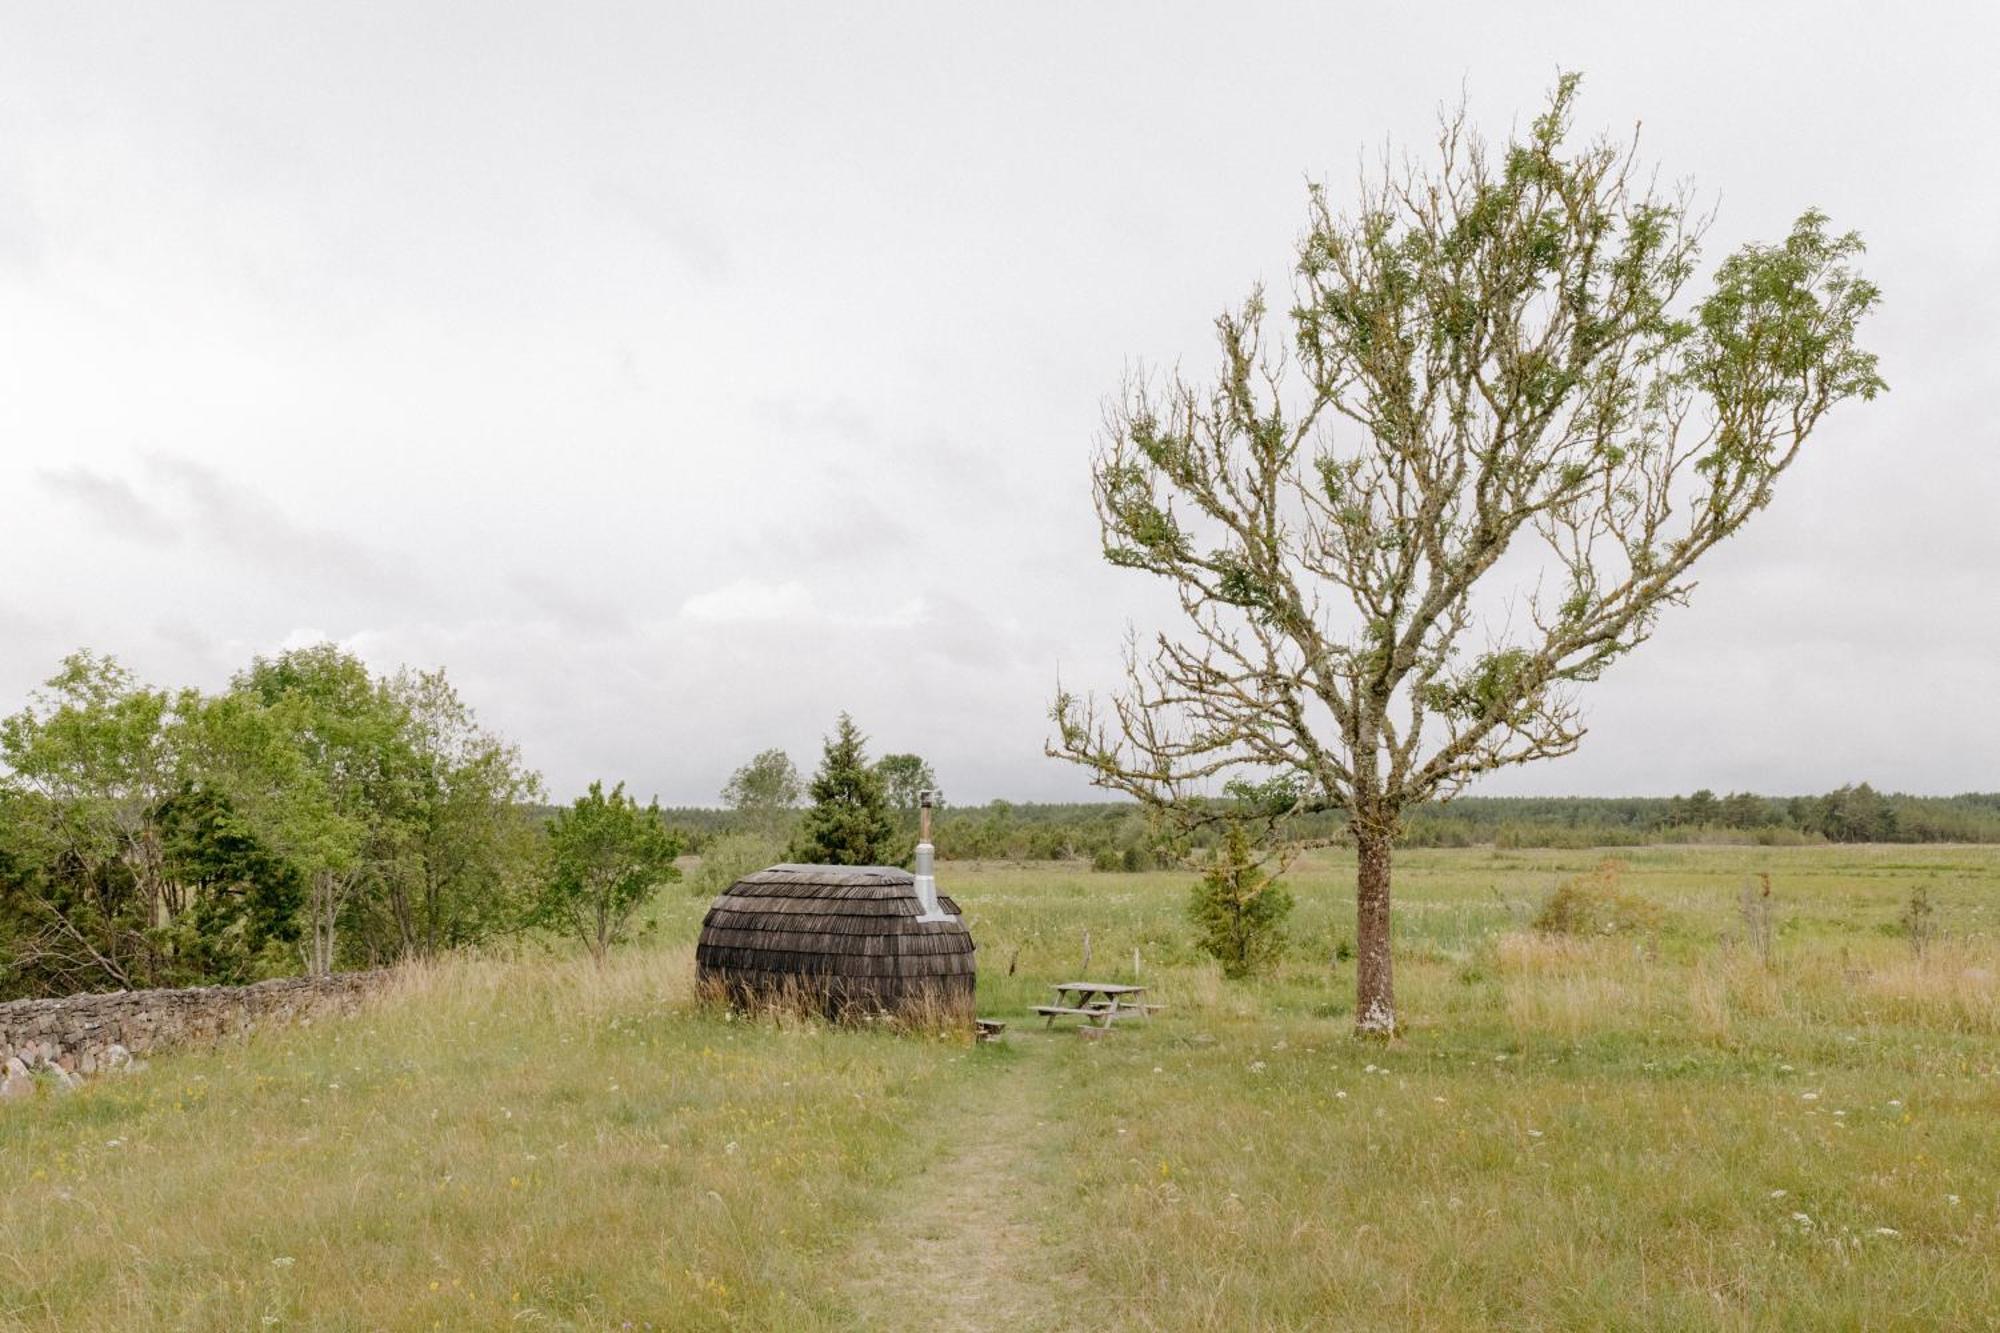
[[76, 1035]]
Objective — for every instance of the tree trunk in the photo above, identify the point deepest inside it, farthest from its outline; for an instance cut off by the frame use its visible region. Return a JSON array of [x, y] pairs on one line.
[[1374, 979]]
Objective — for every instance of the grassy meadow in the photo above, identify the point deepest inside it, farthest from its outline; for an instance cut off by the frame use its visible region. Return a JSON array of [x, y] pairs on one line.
[[1651, 1130]]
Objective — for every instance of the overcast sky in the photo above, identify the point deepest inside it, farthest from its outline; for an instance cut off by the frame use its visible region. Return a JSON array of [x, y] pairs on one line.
[[679, 376]]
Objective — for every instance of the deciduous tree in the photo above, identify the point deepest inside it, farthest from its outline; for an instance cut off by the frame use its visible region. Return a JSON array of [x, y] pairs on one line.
[[1502, 441], [607, 854], [765, 791]]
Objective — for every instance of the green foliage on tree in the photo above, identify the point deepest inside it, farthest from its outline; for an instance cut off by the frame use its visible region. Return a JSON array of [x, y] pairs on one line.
[[466, 842], [243, 912], [1854, 814], [765, 789], [91, 765], [311, 813], [1238, 909], [848, 823], [905, 778], [607, 854]]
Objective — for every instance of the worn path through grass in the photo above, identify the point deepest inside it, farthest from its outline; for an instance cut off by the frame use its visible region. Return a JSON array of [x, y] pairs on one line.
[[966, 1241]]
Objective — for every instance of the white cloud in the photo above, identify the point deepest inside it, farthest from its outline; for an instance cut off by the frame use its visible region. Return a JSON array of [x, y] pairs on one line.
[[750, 599]]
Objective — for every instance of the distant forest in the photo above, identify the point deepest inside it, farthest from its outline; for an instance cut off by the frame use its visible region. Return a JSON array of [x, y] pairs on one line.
[[1115, 835]]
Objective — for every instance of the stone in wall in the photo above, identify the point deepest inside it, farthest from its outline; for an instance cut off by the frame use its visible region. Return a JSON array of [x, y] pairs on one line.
[[75, 1035]]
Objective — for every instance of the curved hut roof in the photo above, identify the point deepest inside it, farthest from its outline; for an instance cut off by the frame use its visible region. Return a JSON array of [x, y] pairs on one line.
[[847, 935]]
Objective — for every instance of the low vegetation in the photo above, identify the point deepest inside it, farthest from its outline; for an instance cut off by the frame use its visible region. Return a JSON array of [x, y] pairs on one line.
[[1576, 1130], [1592, 903]]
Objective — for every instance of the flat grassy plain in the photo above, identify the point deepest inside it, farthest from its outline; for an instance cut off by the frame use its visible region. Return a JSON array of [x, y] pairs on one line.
[[1623, 1132]]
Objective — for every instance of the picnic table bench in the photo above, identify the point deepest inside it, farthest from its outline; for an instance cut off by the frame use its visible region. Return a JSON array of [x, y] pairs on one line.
[[1098, 1003]]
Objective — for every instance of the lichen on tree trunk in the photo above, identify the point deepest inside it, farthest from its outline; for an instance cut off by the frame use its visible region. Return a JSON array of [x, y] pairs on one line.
[[1375, 982]]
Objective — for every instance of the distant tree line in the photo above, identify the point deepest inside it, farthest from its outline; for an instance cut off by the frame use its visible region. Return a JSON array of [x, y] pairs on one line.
[[1118, 836]]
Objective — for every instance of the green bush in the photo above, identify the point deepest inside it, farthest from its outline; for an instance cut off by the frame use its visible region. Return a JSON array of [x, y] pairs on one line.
[[730, 857], [1592, 904], [1239, 910]]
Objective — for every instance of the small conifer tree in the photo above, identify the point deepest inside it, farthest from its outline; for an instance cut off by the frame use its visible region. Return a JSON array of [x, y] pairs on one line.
[[848, 823], [1239, 910]]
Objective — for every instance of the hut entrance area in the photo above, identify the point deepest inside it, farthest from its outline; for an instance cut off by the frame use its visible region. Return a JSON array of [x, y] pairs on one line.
[[838, 938]]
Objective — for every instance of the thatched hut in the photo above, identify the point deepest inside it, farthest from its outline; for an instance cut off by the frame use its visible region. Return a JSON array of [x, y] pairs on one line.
[[841, 938]]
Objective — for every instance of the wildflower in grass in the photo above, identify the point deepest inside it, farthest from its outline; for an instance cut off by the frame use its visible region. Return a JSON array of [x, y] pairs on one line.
[[1805, 1222], [1887, 1231]]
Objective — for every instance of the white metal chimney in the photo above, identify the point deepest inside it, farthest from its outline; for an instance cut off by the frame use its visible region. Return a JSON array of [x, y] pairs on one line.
[[927, 895]]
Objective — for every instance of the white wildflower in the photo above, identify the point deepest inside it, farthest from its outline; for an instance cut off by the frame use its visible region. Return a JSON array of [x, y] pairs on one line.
[[1887, 1231]]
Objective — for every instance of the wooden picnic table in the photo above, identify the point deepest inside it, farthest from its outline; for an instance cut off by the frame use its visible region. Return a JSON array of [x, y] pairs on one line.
[[1100, 1003]]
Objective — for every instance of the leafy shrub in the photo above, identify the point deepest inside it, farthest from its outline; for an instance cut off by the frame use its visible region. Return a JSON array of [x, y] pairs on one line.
[[1591, 903], [1239, 910], [730, 857]]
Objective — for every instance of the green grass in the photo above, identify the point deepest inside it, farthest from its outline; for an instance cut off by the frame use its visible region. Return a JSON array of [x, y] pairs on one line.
[[1599, 1133]]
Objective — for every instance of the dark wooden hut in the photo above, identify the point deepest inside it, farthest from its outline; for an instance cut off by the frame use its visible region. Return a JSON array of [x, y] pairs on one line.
[[839, 937]]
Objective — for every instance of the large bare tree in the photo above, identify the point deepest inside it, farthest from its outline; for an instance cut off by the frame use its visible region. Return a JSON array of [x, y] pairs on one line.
[[1502, 440]]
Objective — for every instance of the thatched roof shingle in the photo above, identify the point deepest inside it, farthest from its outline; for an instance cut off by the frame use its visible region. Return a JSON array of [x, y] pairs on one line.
[[847, 935]]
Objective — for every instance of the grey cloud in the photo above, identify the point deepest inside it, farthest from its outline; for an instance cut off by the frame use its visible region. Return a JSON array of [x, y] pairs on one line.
[[674, 223], [249, 526], [839, 418], [113, 502], [568, 608]]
